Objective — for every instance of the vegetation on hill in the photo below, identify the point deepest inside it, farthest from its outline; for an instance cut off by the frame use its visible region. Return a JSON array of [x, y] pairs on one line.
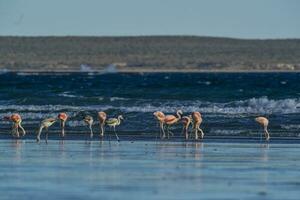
[[152, 52]]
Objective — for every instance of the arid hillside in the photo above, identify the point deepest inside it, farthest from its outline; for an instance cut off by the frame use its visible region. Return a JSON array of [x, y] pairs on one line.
[[147, 53]]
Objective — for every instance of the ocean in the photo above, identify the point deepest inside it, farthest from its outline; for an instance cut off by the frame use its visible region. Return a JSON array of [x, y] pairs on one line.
[[232, 162], [229, 102]]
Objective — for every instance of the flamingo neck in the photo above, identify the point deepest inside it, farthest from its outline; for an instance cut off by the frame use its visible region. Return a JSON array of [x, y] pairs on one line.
[[178, 115]]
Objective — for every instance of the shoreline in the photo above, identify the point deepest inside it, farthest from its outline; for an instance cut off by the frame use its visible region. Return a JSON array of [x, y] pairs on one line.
[[148, 71], [152, 138]]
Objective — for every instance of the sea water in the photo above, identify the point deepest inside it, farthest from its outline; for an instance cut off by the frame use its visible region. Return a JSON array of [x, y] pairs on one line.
[[230, 163], [228, 101]]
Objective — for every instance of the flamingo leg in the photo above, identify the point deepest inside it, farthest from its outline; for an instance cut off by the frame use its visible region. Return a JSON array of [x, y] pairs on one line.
[[47, 132], [116, 134], [163, 131], [196, 132], [102, 130], [13, 130], [267, 135], [91, 132], [168, 132], [171, 132], [62, 129], [16, 130], [202, 133], [187, 133], [38, 137], [109, 138], [22, 129]]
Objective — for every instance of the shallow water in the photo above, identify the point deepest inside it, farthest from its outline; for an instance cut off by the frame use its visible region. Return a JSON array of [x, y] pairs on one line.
[[78, 169], [227, 101]]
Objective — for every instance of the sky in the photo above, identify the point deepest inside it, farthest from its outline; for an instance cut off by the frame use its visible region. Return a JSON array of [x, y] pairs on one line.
[[222, 18]]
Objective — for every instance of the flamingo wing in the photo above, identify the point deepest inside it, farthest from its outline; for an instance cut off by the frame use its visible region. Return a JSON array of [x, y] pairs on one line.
[[111, 121], [170, 119]]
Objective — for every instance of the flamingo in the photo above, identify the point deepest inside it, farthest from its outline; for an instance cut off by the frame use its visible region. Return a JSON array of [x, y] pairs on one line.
[[89, 121], [16, 120], [197, 120], [113, 122], [46, 123], [102, 119], [186, 121], [171, 120], [264, 122], [160, 116], [63, 118]]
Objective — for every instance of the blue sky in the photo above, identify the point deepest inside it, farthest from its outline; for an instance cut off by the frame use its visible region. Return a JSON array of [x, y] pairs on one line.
[[223, 18]]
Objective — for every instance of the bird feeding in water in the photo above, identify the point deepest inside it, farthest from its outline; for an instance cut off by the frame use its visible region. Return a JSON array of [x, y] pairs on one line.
[[197, 120], [62, 118], [16, 120], [46, 123], [160, 116], [186, 121], [89, 121], [171, 120], [264, 122], [102, 119], [113, 122]]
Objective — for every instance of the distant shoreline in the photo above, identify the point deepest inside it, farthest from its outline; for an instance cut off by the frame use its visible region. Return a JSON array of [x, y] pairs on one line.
[[159, 54], [145, 70]]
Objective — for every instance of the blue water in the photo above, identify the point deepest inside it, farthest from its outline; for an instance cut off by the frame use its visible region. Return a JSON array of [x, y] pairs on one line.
[[148, 170], [227, 101], [231, 162]]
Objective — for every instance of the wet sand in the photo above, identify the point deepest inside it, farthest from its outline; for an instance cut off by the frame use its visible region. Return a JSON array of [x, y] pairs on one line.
[[78, 169]]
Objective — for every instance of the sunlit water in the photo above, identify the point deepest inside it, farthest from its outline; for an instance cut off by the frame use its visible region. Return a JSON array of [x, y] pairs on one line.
[[147, 170]]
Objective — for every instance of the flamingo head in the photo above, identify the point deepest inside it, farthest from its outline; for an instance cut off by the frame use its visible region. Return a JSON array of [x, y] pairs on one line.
[[121, 117], [62, 116], [15, 118]]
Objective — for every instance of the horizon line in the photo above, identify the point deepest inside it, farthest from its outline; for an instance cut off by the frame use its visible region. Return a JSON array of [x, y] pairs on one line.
[[153, 35]]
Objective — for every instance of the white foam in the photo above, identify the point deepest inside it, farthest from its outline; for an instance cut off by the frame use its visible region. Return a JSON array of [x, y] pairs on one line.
[[261, 105]]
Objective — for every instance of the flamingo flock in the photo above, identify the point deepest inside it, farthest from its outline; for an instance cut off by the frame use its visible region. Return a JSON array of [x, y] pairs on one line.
[[165, 122]]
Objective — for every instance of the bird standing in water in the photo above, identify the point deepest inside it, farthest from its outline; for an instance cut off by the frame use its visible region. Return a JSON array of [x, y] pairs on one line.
[[89, 121], [102, 119], [171, 120], [264, 122], [63, 118], [46, 123], [113, 122], [160, 116], [197, 120], [186, 121], [16, 120]]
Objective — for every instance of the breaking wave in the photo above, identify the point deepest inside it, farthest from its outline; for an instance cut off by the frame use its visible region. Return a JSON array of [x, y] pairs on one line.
[[261, 105]]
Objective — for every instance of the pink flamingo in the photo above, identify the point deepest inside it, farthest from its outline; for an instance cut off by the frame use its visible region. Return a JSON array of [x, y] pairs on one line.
[[197, 120], [102, 118], [89, 121], [160, 116], [46, 123], [186, 121], [63, 118], [264, 122], [16, 120], [171, 120]]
